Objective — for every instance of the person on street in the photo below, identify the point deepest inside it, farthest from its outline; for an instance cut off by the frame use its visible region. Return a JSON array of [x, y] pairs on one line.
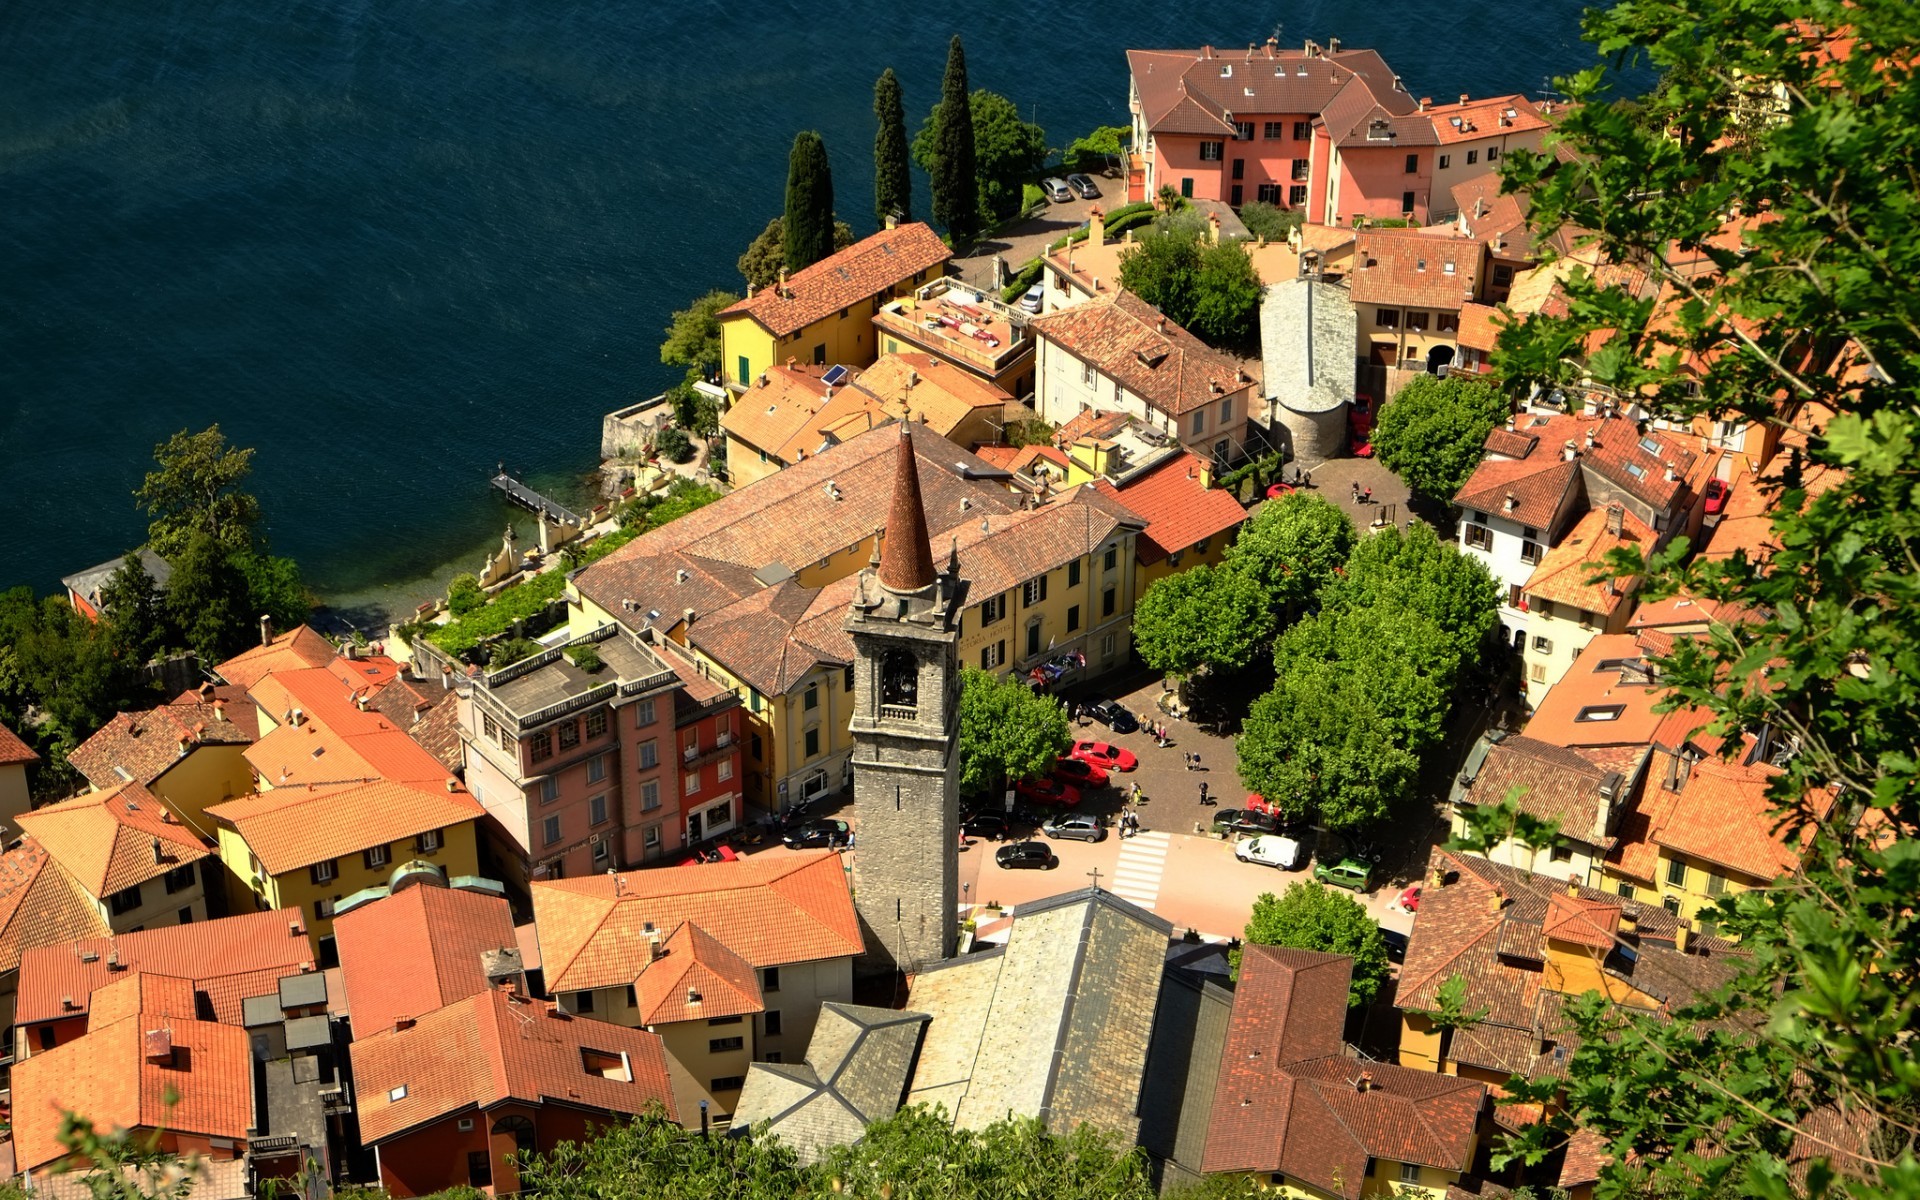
[[1187, 757], [1203, 793]]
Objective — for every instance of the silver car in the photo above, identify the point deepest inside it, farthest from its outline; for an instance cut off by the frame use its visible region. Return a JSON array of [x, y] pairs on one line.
[[1075, 827], [1056, 189]]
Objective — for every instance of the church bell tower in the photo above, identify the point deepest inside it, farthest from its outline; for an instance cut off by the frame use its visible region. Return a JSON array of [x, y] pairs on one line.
[[905, 623]]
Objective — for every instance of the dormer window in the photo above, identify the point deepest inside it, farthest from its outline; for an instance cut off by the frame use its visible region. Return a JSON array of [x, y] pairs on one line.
[[1226, 70]]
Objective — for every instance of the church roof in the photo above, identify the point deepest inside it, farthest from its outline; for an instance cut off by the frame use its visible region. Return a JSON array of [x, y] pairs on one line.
[[906, 559]]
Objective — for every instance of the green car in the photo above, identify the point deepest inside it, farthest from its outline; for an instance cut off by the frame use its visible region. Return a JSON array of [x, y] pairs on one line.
[[1349, 873]]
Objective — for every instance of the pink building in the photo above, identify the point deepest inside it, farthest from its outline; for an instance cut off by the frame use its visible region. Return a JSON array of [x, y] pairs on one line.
[[707, 741]]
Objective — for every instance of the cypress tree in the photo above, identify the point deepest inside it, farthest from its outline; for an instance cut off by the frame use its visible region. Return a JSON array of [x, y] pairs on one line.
[[809, 219], [956, 185], [892, 181]]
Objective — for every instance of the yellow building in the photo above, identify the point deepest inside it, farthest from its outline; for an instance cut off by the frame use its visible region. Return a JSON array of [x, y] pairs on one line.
[[757, 585], [824, 314], [190, 754], [1408, 288]]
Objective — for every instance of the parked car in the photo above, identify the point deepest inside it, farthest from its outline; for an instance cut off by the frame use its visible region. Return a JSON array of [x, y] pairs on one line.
[[814, 834], [1084, 186], [1351, 873], [1235, 821], [1075, 827], [1036, 856], [1269, 850], [1056, 189], [1717, 491], [1080, 772], [1410, 899], [1396, 944], [720, 853], [1112, 715], [1049, 792], [1033, 297], [1104, 755], [989, 826]]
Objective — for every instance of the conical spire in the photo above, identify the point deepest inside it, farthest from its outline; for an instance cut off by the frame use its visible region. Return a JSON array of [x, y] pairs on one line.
[[906, 561]]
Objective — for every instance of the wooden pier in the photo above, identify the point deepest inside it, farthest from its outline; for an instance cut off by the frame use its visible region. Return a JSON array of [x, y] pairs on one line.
[[550, 510]]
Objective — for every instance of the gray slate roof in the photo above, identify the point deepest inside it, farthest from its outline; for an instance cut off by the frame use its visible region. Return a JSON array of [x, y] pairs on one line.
[[855, 1074], [87, 584], [1308, 334], [1183, 1072]]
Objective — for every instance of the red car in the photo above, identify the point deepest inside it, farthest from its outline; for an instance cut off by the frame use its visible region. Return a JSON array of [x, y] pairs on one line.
[[1410, 899], [1258, 804], [1717, 492], [1079, 774], [1049, 791], [1104, 755]]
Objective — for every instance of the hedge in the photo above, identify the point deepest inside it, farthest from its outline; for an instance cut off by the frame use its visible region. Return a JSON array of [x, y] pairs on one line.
[[1028, 276]]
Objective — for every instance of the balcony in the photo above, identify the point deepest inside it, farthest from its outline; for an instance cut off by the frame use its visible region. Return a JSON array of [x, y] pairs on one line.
[[694, 755], [899, 712]]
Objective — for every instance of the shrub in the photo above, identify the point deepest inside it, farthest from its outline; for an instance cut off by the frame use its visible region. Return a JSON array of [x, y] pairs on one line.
[[510, 651], [675, 444], [1028, 276], [1031, 197], [1267, 221], [464, 595], [585, 656]]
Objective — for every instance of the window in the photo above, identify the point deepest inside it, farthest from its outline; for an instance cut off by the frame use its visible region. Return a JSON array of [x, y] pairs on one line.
[[1108, 599], [649, 754], [596, 722], [597, 811], [1530, 552], [650, 836], [1387, 318], [1624, 890], [1716, 883], [1516, 600], [323, 910], [1073, 618], [1542, 645], [583, 1002], [812, 699], [1300, 134], [650, 795], [1033, 639], [1561, 852], [1086, 374], [773, 1024], [124, 901], [596, 768], [429, 841], [692, 787], [1413, 164], [1199, 424], [1479, 536], [770, 979], [723, 1045], [1409, 1172], [1273, 129], [1473, 156], [754, 747], [569, 735], [322, 872], [1073, 573], [1406, 202], [813, 742], [1537, 673], [1243, 131], [1600, 712], [542, 743], [1298, 171], [1677, 873], [1211, 151], [1493, 152], [549, 790], [1113, 556], [376, 857], [1267, 193], [846, 679], [1446, 160], [1416, 321], [1502, 276], [643, 714], [1034, 591], [1671, 904], [550, 831], [179, 879], [1297, 195], [726, 1083], [992, 655], [490, 728], [993, 609]]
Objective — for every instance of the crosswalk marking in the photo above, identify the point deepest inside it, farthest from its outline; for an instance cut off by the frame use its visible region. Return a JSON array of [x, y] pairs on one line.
[[1136, 876]]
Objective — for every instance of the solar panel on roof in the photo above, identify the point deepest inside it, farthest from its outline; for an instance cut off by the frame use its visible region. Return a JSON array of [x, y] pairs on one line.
[[834, 375]]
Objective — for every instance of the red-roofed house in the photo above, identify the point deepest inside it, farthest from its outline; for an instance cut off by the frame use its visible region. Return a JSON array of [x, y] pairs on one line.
[[1474, 134], [1189, 522], [1565, 609], [149, 1065], [779, 932], [190, 753], [420, 949], [40, 905], [134, 859], [15, 757], [447, 1099], [1294, 1107], [293, 650], [1408, 288]]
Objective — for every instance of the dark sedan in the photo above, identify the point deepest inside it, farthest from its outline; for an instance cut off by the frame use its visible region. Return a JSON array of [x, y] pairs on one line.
[[1234, 822], [1113, 716], [1033, 856], [988, 826], [815, 834]]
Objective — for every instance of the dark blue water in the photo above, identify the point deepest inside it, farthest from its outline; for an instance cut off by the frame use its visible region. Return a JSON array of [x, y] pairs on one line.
[[390, 242]]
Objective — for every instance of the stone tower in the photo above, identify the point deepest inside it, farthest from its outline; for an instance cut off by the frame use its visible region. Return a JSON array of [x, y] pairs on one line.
[[905, 621]]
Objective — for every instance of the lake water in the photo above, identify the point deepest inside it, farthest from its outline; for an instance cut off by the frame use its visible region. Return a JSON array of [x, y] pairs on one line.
[[390, 243]]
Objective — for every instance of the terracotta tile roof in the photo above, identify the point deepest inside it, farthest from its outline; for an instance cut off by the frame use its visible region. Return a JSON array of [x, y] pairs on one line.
[[1563, 572], [13, 750], [1634, 852], [868, 267], [1183, 91], [40, 905], [1485, 118], [1478, 330], [778, 408], [115, 1077], [1414, 269], [141, 747], [336, 741], [1597, 704], [1591, 923], [1681, 609], [1555, 784], [228, 959], [496, 1047], [696, 977], [293, 650], [1723, 816], [769, 909], [1290, 1098], [1538, 488], [113, 840], [1025, 459], [1094, 423], [1126, 339], [1178, 508], [935, 393], [293, 827], [1499, 222], [1586, 1154], [416, 951], [1375, 118], [1635, 462]]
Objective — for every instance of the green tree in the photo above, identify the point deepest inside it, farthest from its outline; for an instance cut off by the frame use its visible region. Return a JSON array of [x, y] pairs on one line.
[[693, 339], [1006, 150], [464, 595], [1431, 434], [1292, 547], [1451, 1010], [1163, 269], [892, 176], [1269, 222], [1202, 618], [1309, 916], [766, 255], [694, 410], [1226, 298], [1007, 731], [1417, 572], [196, 488], [208, 599], [1098, 149], [807, 230], [950, 160], [275, 588], [674, 443], [135, 610]]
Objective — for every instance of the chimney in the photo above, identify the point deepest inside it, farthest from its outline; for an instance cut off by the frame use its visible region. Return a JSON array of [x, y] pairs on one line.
[[1682, 934], [1436, 878], [1479, 207], [159, 851], [266, 630], [654, 947], [299, 717], [783, 293], [1463, 99], [1497, 900], [1273, 47], [159, 1045], [1616, 519], [1573, 888], [1568, 453], [453, 785], [1426, 102], [1673, 476], [1510, 504], [219, 710], [1096, 228], [686, 616], [1333, 45], [1629, 919], [1213, 229], [893, 220], [1163, 323], [1364, 1083]]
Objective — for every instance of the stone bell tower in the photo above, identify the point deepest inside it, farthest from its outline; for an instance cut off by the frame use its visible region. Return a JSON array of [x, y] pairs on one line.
[[905, 622]]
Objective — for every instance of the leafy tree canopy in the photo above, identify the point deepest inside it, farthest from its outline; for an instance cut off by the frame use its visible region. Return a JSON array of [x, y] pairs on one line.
[[808, 225], [892, 179], [1292, 547], [1309, 916], [1007, 731], [196, 488], [1204, 617], [766, 256], [1098, 149], [1417, 572], [208, 599], [1226, 298], [1269, 221], [1006, 150], [693, 339], [1431, 434]]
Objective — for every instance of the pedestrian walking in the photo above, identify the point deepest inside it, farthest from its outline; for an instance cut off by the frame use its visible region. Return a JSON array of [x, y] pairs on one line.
[[1366, 496], [1196, 761], [1354, 485], [1203, 793], [1187, 757]]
